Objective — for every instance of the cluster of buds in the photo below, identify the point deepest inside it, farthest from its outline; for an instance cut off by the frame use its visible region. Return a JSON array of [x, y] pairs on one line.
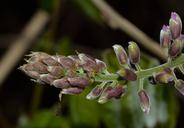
[[172, 40], [72, 74], [128, 73]]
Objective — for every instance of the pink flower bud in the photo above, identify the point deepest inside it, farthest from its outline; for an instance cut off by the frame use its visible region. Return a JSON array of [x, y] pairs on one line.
[[144, 101], [165, 37], [120, 54], [175, 25], [134, 52]]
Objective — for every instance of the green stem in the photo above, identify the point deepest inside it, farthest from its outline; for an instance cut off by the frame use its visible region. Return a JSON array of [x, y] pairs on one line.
[[149, 72], [143, 73]]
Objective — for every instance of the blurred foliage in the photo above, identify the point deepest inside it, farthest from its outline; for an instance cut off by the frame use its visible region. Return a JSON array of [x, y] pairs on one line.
[[87, 7]]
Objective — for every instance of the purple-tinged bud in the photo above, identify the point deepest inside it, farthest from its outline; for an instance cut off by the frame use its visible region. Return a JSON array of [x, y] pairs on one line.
[[39, 67], [80, 82], [47, 78], [76, 59], [165, 37], [100, 64], [37, 56], [61, 83], [127, 74], [134, 52], [164, 77], [28, 69], [176, 47], [66, 62], [57, 71], [112, 92], [88, 63], [117, 92], [180, 86], [104, 97], [33, 74], [144, 101], [175, 25], [51, 61], [72, 91], [95, 93], [120, 54]]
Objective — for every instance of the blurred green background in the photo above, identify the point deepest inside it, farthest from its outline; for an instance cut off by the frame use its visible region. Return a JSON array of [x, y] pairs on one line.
[[77, 25]]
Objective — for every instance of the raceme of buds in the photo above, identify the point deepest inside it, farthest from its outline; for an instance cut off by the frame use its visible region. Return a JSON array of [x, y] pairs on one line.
[[175, 25], [111, 92], [62, 71], [134, 52], [179, 85], [144, 101], [165, 37], [120, 54], [127, 74], [176, 47]]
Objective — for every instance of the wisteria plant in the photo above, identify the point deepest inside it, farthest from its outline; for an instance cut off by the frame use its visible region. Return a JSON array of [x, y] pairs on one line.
[[72, 74]]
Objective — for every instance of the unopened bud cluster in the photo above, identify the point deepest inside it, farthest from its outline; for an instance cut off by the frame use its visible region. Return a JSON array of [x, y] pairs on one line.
[[72, 74]]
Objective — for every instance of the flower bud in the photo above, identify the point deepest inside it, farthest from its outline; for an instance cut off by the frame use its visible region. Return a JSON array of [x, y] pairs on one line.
[[127, 74], [33, 74], [144, 101], [176, 47], [57, 71], [72, 91], [66, 62], [100, 64], [117, 92], [120, 54], [88, 63], [134, 52], [164, 77], [47, 78], [80, 82], [37, 56], [51, 61], [180, 86], [61, 83], [104, 97], [95, 93], [165, 37], [175, 25], [39, 67], [112, 92]]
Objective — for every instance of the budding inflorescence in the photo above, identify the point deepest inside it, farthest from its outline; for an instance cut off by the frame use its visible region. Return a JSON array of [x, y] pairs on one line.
[[72, 74]]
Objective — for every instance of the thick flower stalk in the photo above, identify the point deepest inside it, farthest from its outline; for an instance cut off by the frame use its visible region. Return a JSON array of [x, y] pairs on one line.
[[72, 74]]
